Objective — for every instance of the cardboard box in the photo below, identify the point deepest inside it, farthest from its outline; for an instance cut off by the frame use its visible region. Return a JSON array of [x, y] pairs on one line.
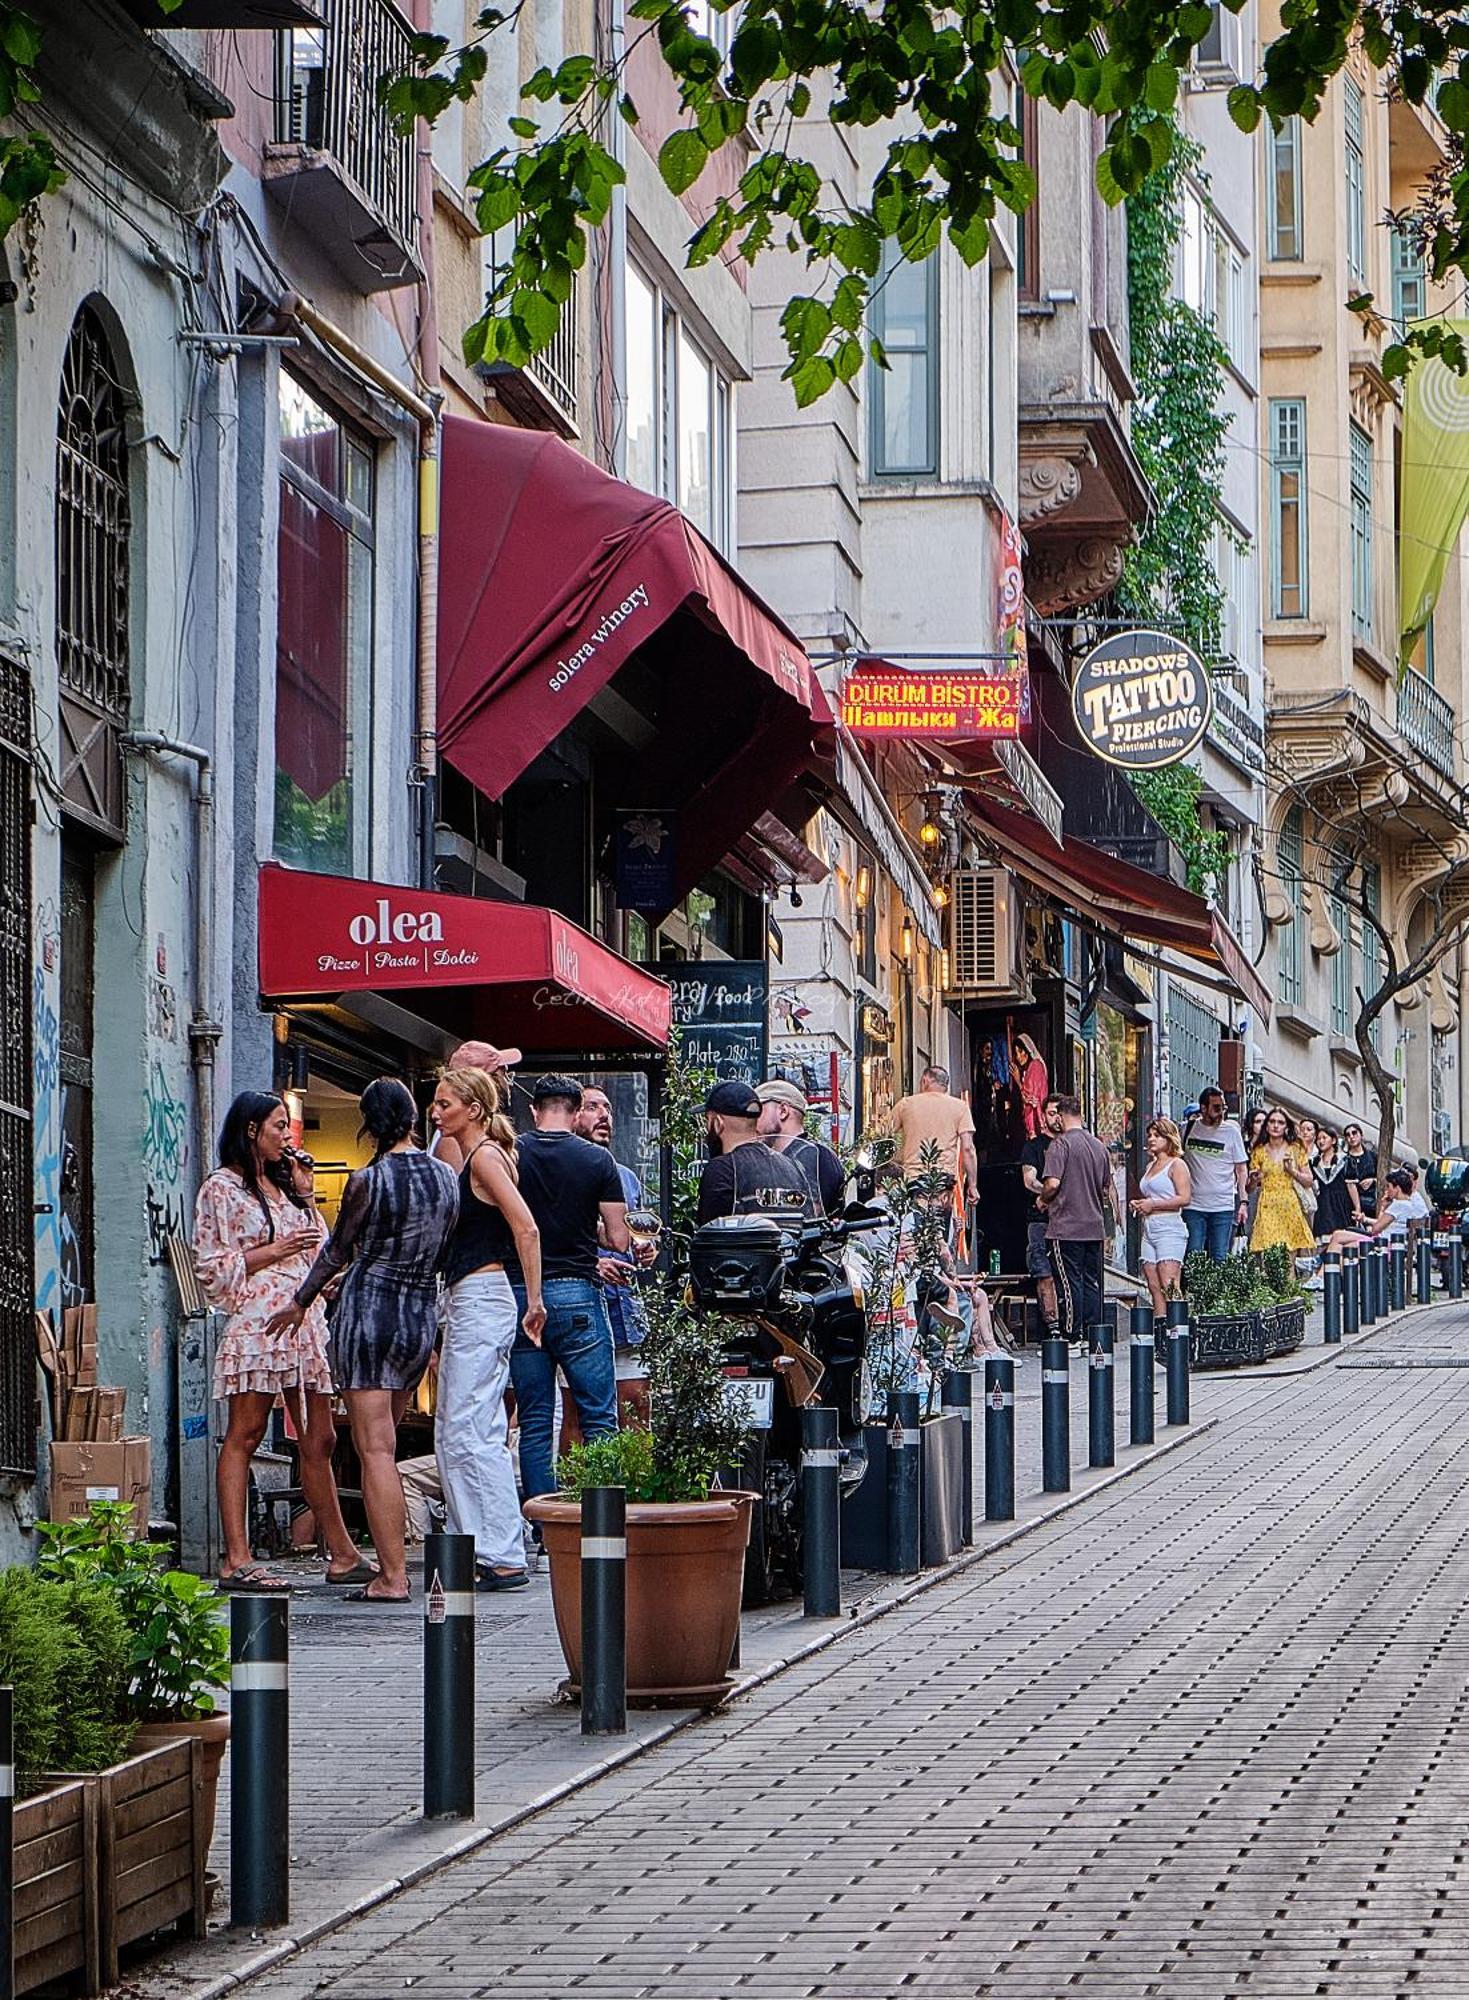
[[84, 1471]]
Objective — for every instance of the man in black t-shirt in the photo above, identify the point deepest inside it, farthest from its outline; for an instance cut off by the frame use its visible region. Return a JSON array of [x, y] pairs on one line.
[[783, 1115], [1037, 1253], [570, 1187], [745, 1177]]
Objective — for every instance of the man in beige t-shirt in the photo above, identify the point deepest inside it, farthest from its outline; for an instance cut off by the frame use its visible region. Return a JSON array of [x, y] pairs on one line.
[[933, 1115]]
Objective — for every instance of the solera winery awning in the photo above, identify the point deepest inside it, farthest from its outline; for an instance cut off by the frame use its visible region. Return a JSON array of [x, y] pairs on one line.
[[1118, 897], [554, 576], [503, 972]]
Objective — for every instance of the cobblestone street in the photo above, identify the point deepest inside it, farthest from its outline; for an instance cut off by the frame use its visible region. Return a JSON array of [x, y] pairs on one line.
[[1204, 1734]]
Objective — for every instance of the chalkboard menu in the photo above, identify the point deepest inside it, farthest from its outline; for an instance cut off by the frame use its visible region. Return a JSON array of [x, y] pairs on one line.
[[720, 1008]]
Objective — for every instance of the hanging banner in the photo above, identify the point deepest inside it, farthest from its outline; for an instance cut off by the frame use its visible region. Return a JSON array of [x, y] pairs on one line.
[[1142, 700], [887, 701], [1435, 486]]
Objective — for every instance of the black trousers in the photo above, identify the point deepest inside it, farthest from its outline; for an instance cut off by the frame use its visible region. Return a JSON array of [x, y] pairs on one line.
[[1078, 1268]]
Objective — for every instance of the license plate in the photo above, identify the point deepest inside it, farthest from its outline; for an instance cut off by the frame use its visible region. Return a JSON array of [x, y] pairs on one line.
[[752, 1398]]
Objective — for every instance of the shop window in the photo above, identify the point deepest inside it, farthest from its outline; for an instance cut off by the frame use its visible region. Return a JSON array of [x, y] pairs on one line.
[[904, 395], [324, 615], [1361, 505], [679, 414], [1290, 865], [1288, 547], [1356, 183], [1283, 147]]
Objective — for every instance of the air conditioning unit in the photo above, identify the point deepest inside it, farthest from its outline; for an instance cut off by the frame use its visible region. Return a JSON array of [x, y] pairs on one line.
[[1220, 56], [984, 933]]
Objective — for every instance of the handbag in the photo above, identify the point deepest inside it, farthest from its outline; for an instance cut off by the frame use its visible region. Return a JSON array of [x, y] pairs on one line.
[[1307, 1198]]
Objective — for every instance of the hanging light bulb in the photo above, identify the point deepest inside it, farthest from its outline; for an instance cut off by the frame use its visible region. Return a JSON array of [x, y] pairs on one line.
[[864, 886], [930, 833], [944, 970], [940, 896], [906, 939]]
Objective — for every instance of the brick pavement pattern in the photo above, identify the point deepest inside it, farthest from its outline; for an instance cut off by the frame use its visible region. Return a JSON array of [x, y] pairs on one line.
[[1205, 1735]]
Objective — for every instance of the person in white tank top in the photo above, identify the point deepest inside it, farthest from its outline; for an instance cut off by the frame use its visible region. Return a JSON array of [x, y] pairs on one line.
[[1164, 1191]]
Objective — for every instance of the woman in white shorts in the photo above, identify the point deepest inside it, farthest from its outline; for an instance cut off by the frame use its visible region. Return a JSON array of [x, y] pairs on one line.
[[1164, 1191]]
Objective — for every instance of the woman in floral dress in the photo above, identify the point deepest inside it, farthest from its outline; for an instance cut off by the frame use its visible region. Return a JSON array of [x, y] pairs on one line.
[[253, 1245]]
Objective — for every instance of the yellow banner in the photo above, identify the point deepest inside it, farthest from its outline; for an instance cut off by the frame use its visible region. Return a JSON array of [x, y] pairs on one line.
[[1435, 487]]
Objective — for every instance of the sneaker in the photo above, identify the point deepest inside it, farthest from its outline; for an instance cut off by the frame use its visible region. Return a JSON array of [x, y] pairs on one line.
[[945, 1317], [494, 1579]]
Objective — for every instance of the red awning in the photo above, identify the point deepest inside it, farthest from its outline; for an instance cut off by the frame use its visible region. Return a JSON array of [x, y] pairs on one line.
[[505, 972], [1118, 897], [552, 575]]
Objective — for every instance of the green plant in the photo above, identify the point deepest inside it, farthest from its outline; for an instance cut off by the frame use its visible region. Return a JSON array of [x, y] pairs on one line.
[[178, 1653], [697, 1428], [685, 1086], [1172, 797], [625, 1459], [64, 1650]]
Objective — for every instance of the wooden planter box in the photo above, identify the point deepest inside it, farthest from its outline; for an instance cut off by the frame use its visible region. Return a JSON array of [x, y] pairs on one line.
[[151, 1848], [56, 1915]]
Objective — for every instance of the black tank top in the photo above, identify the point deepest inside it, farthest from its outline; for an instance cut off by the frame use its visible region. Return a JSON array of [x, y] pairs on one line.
[[481, 1235]]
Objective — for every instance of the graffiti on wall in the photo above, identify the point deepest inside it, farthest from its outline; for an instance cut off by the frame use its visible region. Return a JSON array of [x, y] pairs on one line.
[[163, 1209], [165, 1130], [58, 1254]]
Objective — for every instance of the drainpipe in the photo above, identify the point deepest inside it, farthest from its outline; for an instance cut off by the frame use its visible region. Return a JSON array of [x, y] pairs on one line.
[[618, 247], [427, 410], [205, 1028]]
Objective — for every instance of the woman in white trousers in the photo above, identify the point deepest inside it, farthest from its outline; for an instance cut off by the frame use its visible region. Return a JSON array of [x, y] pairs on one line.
[[494, 1236]]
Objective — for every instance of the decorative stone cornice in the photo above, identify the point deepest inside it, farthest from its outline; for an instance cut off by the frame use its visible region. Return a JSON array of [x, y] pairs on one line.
[[1050, 483], [1062, 576]]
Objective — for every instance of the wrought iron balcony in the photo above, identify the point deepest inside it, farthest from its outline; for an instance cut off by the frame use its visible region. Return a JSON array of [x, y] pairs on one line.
[[1426, 721], [348, 176], [543, 393]]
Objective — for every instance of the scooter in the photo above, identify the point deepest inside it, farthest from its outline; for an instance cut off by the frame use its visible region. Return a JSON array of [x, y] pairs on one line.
[[802, 1337]]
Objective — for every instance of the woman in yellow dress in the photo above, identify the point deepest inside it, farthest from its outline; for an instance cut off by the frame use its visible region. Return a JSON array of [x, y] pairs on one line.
[[1278, 1168]]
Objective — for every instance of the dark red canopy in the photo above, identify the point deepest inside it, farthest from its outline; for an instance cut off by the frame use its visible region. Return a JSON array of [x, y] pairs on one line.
[[551, 575]]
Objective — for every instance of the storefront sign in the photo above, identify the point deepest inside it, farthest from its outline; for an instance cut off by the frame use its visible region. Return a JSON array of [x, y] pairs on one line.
[[646, 849], [882, 701], [1142, 700], [721, 1011]]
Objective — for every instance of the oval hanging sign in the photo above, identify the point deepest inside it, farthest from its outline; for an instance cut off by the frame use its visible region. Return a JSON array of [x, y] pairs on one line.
[[1142, 700]]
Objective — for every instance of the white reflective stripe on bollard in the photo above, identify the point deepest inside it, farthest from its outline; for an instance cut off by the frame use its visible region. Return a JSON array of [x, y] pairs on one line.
[[604, 1548], [7, 1781], [1054, 1375], [1000, 1399], [258, 1677], [1100, 1358], [820, 1455], [448, 1604]]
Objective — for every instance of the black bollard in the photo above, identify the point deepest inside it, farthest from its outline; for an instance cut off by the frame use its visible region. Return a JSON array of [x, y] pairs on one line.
[[1141, 1360], [999, 1437], [1055, 1416], [1380, 1276], [604, 1611], [1366, 1285], [905, 1473], [7, 1852], [448, 1677], [1424, 1258], [821, 1562], [958, 1394], [260, 1761], [1179, 1336], [1331, 1296], [1351, 1292], [1397, 1251], [1101, 1409], [1456, 1265]]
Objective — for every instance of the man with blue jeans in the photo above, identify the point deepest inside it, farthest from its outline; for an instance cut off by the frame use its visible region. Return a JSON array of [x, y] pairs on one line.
[[1214, 1152], [571, 1187]]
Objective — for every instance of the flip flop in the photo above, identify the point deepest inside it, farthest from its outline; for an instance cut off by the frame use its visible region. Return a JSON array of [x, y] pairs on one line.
[[366, 1596], [256, 1577], [362, 1571]]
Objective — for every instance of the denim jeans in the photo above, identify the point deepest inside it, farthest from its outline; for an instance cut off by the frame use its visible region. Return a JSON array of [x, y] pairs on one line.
[[1211, 1230], [577, 1340]]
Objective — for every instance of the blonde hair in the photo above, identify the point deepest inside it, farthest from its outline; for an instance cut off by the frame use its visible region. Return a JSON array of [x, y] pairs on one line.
[[1166, 1129], [478, 1089]]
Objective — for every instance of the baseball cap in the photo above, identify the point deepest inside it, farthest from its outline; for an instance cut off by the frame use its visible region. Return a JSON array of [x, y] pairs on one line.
[[555, 1086], [733, 1100], [780, 1090], [483, 1055]]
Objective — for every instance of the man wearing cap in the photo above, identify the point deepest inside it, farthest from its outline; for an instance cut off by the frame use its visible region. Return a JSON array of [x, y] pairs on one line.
[[572, 1189], [744, 1177], [475, 1055], [783, 1111]]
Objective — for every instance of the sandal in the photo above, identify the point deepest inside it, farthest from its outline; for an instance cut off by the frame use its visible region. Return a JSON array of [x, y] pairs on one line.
[[369, 1596], [257, 1577], [362, 1571]]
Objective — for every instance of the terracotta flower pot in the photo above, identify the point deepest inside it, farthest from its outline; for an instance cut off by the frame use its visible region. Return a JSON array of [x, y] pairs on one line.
[[213, 1732], [685, 1574]]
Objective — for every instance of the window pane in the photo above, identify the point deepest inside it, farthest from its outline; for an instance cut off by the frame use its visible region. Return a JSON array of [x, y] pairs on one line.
[[695, 471], [642, 382], [1356, 185], [903, 424], [1288, 508], [1285, 190], [311, 437]]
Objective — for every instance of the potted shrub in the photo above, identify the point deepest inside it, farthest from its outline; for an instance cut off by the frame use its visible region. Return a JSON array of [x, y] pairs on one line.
[[686, 1539], [179, 1653], [1246, 1309]]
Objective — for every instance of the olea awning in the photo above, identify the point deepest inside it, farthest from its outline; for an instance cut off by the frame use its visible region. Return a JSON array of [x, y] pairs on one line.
[[507, 973], [553, 577], [1119, 898]]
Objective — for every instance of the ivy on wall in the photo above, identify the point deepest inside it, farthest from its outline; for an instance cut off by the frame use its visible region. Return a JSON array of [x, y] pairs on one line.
[[1178, 431]]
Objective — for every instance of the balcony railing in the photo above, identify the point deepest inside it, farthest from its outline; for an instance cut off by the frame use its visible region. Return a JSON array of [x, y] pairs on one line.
[[555, 366], [328, 104], [1426, 721]]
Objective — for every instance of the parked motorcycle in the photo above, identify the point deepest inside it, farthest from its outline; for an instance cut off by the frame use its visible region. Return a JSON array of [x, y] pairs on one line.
[[790, 1284]]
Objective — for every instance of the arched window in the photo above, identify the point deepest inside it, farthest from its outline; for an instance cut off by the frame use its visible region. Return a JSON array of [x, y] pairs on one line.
[[92, 525]]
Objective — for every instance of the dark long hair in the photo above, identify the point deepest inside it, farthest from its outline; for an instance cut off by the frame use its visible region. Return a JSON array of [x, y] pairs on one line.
[[236, 1149], [388, 1113]]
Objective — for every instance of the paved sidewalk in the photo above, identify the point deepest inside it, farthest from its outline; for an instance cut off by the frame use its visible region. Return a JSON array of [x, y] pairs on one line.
[[356, 1694]]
